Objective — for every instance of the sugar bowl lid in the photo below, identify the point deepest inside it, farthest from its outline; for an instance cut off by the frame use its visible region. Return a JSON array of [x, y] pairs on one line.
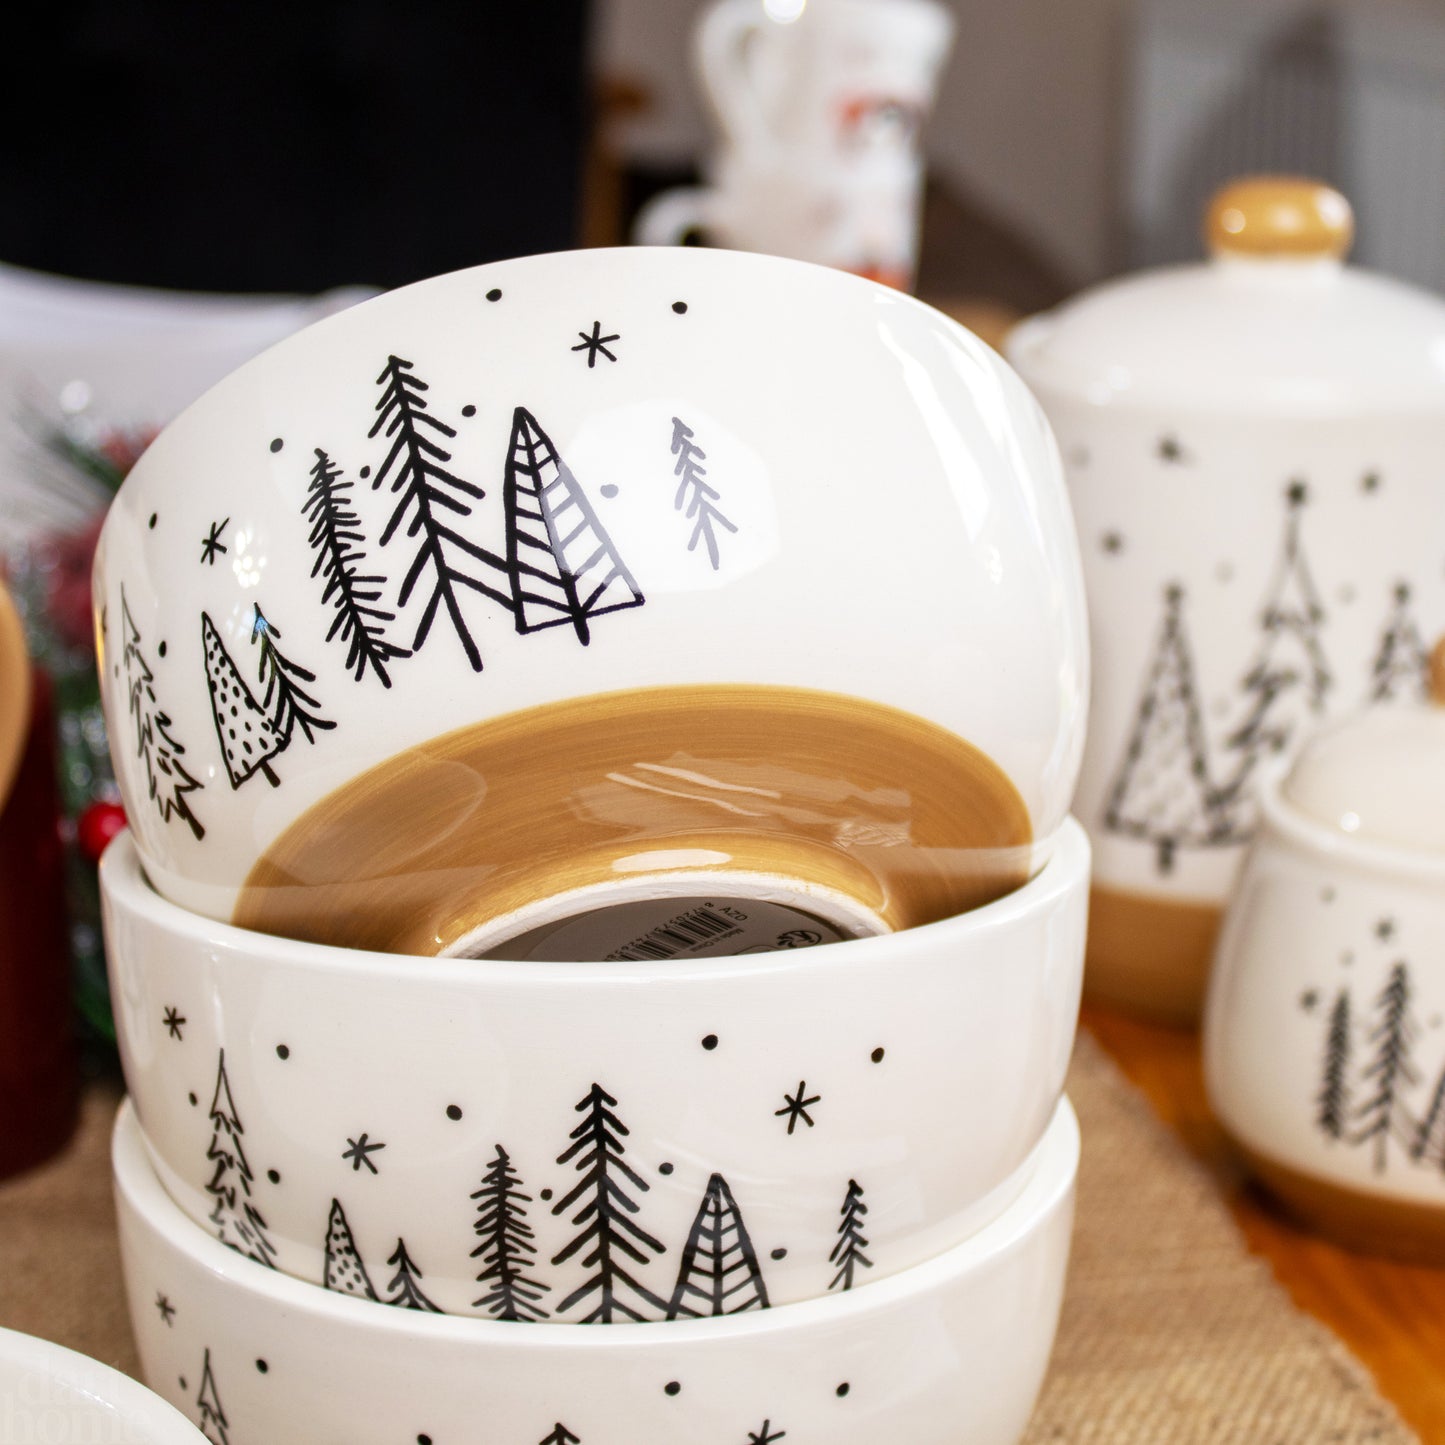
[[1273, 321], [1380, 776]]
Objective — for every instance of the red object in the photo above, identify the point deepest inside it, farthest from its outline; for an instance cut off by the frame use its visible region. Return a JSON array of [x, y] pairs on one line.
[[97, 826], [39, 1086]]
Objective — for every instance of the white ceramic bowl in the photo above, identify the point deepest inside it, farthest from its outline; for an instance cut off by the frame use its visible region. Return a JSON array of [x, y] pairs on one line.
[[951, 1350], [51, 1394], [800, 543], [1324, 1052], [312, 1106]]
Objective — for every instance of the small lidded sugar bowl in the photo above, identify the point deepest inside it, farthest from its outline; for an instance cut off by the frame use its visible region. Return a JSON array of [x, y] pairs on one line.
[[1324, 1031], [1252, 447]]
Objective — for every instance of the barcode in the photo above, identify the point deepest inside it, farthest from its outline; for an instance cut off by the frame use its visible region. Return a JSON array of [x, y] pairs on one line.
[[687, 930]]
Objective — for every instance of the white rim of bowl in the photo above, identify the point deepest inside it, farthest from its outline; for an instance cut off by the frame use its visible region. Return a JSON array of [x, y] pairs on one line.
[[124, 882], [1385, 859], [157, 1419], [1046, 1192]]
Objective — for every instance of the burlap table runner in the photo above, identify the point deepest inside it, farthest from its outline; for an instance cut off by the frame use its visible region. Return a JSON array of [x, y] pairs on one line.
[[1173, 1334]]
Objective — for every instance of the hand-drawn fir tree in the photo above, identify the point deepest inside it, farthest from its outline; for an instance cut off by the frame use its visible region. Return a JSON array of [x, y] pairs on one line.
[[1332, 1103], [563, 566], [1429, 1141], [1390, 1068], [238, 1222], [285, 701], [1289, 678], [561, 1435], [608, 1235], [1401, 668], [248, 738], [403, 1290], [1162, 793], [847, 1253], [415, 468], [695, 497], [345, 1271], [167, 781], [338, 541], [508, 1245], [213, 1420], [719, 1274]]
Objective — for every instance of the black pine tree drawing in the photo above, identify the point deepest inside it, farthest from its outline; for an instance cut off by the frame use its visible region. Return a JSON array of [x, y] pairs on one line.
[[237, 1220], [339, 543], [612, 1241], [560, 1435], [1289, 678], [563, 567], [404, 1289], [208, 1401], [249, 739], [1390, 1071], [719, 1274], [1401, 666], [167, 781], [1429, 1141], [507, 1247], [695, 497], [1162, 793], [847, 1253], [345, 1271], [1332, 1103], [431, 501], [285, 702]]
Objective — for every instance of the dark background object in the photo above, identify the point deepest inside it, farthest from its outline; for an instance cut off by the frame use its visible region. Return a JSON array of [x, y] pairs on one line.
[[275, 146]]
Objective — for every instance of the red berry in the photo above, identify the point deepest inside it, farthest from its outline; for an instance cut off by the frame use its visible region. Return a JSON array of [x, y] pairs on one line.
[[97, 826]]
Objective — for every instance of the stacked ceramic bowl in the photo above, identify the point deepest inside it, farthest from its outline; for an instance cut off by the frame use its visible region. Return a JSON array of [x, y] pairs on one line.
[[597, 732]]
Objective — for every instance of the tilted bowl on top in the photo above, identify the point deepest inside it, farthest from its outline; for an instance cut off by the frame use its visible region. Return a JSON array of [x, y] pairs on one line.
[[535, 589], [729, 1131]]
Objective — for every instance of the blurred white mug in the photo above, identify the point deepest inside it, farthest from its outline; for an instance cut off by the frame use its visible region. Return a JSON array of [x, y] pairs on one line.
[[820, 107]]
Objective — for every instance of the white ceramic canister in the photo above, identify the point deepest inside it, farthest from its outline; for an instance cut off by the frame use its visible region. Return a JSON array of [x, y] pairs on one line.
[[1324, 1034], [1253, 448]]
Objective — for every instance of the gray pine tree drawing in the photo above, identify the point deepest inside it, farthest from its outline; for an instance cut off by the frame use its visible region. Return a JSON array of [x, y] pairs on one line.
[[345, 1272]]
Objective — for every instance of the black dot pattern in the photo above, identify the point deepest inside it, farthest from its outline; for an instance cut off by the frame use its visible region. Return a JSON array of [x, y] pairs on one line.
[[710, 1041], [680, 307], [453, 1112], [277, 444], [671, 1388], [877, 1055], [282, 1052], [494, 294]]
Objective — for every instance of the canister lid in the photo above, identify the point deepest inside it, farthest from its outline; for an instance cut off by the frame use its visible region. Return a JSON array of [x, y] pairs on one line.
[[1273, 321], [1380, 776]]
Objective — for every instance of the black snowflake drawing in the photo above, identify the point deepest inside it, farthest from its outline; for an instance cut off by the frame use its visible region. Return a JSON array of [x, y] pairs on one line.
[[847, 1254], [596, 344], [213, 1420], [212, 544], [345, 1270], [404, 1289], [1401, 666], [560, 1435], [1162, 794], [563, 566], [1332, 1103], [612, 1244], [167, 781], [1390, 1072], [766, 1436], [285, 701], [360, 1153], [1287, 683], [248, 738], [338, 541], [695, 497], [174, 1021], [507, 1246], [238, 1222], [166, 1308], [432, 500], [719, 1273], [795, 1107]]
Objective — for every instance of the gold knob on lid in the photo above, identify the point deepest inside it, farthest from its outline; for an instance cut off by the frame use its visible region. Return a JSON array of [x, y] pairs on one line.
[[1437, 674], [1279, 216]]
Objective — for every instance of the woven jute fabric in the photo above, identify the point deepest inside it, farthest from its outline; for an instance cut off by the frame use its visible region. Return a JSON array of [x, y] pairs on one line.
[[1172, 1333]]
